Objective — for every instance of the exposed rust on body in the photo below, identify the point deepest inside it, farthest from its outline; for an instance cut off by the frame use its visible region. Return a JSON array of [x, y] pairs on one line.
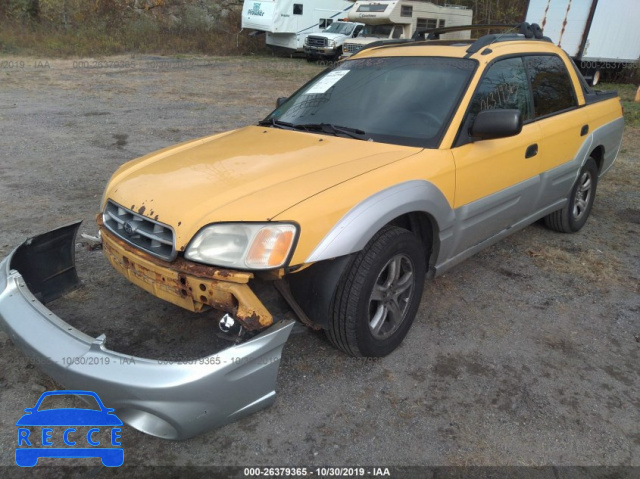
[[251, 322], [141, 210], [189, 285], [179, 265]]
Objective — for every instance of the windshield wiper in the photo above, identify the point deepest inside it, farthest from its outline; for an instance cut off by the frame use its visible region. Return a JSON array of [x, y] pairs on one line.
[[276, 123], [332, 129]]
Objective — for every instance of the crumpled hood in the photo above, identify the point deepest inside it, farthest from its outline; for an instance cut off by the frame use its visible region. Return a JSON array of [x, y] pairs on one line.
[[251, 174]]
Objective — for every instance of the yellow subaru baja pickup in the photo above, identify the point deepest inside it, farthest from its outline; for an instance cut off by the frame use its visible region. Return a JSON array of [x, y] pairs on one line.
[[394, 166]]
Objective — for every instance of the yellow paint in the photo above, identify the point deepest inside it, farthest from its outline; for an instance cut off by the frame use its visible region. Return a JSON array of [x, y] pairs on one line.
[[486, 167], [252, 174]]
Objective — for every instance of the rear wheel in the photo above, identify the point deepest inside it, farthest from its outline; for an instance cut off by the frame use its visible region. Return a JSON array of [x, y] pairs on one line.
[[378, 296], [573, 216]]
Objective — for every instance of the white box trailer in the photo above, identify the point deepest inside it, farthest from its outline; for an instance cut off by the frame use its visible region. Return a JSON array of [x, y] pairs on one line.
[[598, 34], [288, 22], [400, 18]]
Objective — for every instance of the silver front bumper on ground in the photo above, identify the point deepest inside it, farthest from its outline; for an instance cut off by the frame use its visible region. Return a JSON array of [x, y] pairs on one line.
[[164, 399]]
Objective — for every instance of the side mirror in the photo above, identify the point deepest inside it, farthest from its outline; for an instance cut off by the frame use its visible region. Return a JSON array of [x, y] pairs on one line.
[[491, 124], [280, 101]]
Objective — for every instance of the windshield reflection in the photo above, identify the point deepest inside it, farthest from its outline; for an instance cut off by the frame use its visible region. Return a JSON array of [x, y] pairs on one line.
[[402, 100]]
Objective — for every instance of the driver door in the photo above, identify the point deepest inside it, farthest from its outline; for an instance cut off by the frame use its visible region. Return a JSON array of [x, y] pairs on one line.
[[496, 180]]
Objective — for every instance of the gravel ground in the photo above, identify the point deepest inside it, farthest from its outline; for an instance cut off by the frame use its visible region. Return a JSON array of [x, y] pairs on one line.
[[525, 355]]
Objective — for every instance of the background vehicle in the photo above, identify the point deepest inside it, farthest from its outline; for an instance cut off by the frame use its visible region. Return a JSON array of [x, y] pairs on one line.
[[328, 44], [598, 34], [288, 22], [400, 19]]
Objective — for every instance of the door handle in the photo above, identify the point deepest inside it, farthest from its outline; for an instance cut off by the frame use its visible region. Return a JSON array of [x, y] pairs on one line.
[[585, 130], [532, 151]]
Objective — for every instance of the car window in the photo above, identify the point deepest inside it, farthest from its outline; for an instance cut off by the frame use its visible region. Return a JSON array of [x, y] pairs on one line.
[[401, 100], [341, 28], [551, 84], [504, 86], [382, 30]]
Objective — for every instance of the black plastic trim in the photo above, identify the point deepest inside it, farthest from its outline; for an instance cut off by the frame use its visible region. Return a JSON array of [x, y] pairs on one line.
[[47, 263], [313, 288]]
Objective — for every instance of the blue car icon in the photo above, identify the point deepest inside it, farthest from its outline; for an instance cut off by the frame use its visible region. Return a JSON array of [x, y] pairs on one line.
[[69, 417]]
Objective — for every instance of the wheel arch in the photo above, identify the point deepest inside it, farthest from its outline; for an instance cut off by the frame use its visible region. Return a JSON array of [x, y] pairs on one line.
[[425, 227], [416, 205], [598, 155]]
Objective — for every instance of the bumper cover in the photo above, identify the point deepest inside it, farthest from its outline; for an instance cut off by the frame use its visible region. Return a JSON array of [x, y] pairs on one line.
[[169, 400], [321, 51]]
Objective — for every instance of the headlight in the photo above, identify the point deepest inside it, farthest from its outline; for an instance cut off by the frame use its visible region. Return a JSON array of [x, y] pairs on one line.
[[243, 245], [306, 41], [332, 43]]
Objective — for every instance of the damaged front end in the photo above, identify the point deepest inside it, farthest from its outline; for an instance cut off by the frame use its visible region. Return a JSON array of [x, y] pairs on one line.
[[192, 286], [171, 400]]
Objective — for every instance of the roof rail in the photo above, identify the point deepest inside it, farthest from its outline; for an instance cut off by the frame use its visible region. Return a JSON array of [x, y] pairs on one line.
[[524, 30], [434, 33], [528, 30]]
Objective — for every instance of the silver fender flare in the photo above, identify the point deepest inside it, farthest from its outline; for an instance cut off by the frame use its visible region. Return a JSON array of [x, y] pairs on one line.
[[358, 225]]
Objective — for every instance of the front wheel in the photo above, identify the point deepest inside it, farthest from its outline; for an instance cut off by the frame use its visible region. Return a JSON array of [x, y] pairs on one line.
[[573, 216], [378, 296]]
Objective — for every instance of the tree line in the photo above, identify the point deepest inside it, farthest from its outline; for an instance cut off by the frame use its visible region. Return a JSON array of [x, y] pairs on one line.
[[66, 12]]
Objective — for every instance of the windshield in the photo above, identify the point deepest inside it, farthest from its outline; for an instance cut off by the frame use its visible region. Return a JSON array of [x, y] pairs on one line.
[[378, 30], [401, 100], [341, 28]]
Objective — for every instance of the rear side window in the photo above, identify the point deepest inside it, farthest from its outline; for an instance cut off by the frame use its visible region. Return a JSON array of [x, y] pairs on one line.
[[552, 87], [427, 23], [503, 87]]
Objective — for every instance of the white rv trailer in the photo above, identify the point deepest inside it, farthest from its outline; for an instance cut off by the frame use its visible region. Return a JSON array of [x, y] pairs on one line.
[[288, 22], [598, 34], [393, 19]]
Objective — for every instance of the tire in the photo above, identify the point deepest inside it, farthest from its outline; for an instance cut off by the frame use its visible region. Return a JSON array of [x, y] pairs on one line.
[[574, 215], [361, 321]]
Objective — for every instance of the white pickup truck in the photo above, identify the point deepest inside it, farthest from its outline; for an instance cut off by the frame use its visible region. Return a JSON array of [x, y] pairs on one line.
[[328, 44]]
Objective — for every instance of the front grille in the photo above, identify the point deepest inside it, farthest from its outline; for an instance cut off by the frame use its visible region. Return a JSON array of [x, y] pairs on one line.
[[140, 231], [352, 47], [317, 41]]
